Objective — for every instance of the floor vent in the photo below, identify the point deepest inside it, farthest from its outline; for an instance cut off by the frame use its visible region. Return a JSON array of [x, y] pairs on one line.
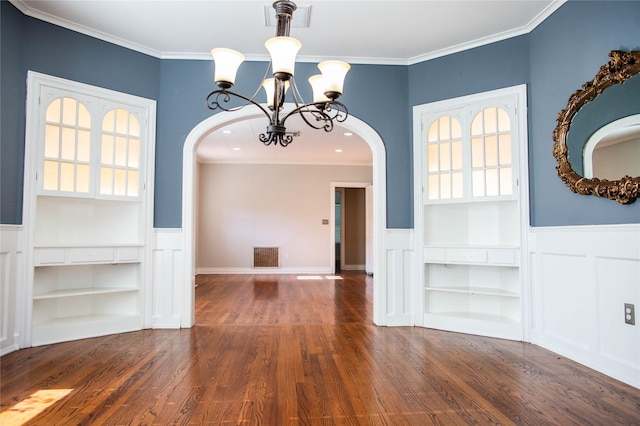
[[265, 257]]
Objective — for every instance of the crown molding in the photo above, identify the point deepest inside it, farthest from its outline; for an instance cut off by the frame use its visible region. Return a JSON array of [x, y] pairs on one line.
[[548, 11]]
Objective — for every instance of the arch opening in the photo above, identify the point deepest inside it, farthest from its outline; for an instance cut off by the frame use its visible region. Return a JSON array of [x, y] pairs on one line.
[[189, 181]]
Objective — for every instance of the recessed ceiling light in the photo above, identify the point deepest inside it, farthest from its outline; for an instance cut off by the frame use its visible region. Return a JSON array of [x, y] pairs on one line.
[[348, 134], [226, 132], [338, 150], [236, 149]]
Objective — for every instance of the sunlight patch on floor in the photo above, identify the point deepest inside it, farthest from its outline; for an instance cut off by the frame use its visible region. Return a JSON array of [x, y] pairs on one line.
[[318, 277], [28, 408]]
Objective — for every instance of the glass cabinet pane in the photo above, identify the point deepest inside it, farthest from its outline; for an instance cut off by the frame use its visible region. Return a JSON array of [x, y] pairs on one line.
[[51, 141], [120, 152], [67, 146], [444, 153]]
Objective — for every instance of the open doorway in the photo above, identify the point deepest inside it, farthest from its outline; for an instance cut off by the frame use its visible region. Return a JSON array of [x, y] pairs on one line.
[[217, 121], [350, 229]]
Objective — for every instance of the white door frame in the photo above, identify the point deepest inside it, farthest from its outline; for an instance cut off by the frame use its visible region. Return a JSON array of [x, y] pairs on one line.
[[189, 180]]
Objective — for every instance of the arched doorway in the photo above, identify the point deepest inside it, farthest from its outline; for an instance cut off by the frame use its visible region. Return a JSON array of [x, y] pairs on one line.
[[205, 127]]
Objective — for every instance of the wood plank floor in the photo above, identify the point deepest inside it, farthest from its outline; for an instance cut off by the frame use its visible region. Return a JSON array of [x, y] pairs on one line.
[[275, 350]]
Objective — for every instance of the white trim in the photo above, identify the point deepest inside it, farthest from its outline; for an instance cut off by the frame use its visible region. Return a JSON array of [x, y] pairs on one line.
[[618, 227], [483, 41], [525, 29], [598, 268], [11, 287], [189, 180], [323, 270]]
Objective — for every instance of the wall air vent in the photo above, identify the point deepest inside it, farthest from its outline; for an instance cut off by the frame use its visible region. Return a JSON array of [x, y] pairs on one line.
[[266, 257]]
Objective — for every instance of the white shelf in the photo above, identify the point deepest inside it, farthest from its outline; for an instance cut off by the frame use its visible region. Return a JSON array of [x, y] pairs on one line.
[[88, 291], [476, 316], [87, 254], [472, 255], [474, 323], [476, 290], [83, 326]]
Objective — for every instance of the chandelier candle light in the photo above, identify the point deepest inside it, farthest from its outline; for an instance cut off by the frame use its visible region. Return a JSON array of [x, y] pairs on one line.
[[327, 86]]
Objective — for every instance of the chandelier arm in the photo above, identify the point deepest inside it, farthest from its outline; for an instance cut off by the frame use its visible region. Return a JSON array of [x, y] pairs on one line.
[[213, 101], [320, 116], [321, 112], [340, 113]]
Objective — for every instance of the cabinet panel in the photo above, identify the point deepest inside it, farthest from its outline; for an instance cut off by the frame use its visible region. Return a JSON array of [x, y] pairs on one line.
[[95, 255], [90, 254], [62, 221], [493, 223], [43, 256]]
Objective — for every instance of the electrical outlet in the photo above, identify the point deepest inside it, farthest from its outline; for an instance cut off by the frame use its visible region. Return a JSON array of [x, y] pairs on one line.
[[629, 314]]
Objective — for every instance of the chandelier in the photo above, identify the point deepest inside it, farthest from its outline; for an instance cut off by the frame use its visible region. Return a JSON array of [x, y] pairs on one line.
[[326, 87]]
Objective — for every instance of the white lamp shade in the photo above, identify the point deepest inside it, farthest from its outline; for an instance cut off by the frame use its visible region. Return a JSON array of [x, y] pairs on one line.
[[269, 86], [283, 51], [317, 85], [334, 73], [227, 62]]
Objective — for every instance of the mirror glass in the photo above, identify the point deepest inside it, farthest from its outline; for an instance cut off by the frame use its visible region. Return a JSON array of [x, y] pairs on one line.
[[614, 150], [614, 103]]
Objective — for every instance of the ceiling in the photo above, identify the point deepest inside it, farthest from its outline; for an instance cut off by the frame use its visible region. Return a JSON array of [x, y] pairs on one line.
[[356, 31]]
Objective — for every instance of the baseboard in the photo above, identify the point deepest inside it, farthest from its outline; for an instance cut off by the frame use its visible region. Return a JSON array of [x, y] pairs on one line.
[[167, 323], [9, 349], [264, 271]]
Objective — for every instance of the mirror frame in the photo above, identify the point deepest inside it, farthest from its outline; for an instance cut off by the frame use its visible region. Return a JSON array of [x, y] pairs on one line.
[[621, 67]]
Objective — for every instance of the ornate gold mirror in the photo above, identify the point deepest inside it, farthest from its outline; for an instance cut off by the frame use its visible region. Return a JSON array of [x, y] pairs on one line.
[[605, 112]]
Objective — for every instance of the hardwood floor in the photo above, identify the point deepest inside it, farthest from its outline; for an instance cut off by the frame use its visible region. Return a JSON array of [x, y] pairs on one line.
[[275, 350]]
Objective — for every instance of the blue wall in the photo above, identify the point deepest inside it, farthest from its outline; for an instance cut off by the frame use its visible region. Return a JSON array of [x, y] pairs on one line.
[[12, 95], [30, 44], [185, 84], [554, 60], [566, 51]]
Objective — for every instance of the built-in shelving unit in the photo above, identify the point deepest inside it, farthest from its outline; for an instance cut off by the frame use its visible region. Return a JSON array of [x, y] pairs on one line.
[[470, 214], [88, 209]]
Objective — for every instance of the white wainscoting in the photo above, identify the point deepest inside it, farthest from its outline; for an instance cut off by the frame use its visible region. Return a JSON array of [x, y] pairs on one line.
[[581, 277], [11, 287], [399, 269], [167, 278]]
